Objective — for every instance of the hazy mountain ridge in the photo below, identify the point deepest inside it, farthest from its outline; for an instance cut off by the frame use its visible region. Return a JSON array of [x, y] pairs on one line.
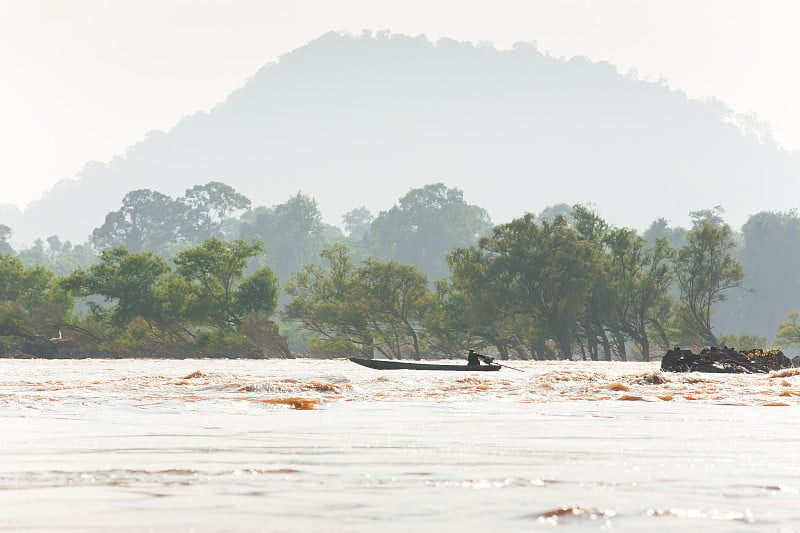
[[359, 120]]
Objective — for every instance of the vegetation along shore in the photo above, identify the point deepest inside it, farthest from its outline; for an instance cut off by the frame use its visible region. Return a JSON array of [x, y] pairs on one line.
[[209, 275]]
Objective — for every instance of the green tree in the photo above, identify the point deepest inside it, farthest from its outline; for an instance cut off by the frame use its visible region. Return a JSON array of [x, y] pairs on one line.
[[215, 271], [466, 310], [630, 296], [207, 208], [377, 306], [425, 226], [640, 278], [326, 300], [147, 221], [292, 234], [396, 296], [5, 234], [35, 255], [789, 330], [705, 270], [550, 212], [59, 256], [31, 301], [258, 293], [543, 273], [744, 341], [660, 228], [770, 257], [14, 321], [357, 222], [11, 272], [127, 281], [603, 303]]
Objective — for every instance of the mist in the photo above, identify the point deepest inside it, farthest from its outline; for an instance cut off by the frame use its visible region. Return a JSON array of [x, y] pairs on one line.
[[359, 120]]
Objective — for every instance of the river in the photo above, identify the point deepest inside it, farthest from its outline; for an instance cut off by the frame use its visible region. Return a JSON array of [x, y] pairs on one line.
[[326, 445]]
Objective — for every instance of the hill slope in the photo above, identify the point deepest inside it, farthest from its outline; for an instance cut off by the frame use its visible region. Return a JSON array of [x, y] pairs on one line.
[[359, 120]]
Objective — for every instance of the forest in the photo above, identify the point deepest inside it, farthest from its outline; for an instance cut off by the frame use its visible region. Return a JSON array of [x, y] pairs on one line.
[[207, 274]]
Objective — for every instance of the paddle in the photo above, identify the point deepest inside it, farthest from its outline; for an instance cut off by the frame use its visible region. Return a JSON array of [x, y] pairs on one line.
[[490, 361]]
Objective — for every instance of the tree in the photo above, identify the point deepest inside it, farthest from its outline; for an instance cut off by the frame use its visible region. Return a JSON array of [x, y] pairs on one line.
[[128, 281], [325, 299], [5, 234], [705, 270], [467, 312], [147, 221], [550, 212], [215, 272], [604, 304], [11, 272], [713, 216], [31, 301], [542, 273], [373, 307], [147, 299], [291, 232], [629, 298], [640, 280], [207, 207], [396, 296], [660, 228], [56, 248], [35, 255], [357, 222], [789, 330], [770, 257], [258, 293], [425, 226]]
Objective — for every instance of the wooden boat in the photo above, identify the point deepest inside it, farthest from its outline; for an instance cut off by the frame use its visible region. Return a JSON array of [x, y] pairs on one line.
[[383, 364]]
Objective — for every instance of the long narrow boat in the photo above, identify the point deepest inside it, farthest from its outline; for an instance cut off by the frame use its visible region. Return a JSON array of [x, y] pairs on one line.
[[382, 364]]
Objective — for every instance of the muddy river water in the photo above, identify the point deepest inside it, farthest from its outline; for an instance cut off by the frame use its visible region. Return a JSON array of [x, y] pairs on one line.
[[309, 445]]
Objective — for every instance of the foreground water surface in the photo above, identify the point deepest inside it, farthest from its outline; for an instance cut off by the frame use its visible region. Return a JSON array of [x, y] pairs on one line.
[[308, 445]]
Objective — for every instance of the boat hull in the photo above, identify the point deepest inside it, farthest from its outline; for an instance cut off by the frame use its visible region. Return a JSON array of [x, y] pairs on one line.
[[381, 364]]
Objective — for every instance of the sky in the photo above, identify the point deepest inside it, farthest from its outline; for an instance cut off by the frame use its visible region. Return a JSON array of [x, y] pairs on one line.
[[82, 80]]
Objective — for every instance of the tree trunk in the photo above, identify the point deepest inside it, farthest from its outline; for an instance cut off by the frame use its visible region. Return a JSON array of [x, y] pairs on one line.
[[645, 344], [564, 347], [606, 346], [592, 345], [661, 333], [414, 339], [502, 349]]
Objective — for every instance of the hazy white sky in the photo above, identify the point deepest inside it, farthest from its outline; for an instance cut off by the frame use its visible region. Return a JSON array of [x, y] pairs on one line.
[[82, 80]]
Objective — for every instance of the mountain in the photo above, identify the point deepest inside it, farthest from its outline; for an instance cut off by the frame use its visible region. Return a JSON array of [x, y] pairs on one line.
[[359, 120]]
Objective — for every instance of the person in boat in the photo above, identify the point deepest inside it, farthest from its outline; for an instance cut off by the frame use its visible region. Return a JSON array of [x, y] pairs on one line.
[[474, 358]]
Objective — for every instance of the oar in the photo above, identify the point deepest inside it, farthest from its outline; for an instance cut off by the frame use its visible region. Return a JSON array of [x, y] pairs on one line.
[[506, 366], [491, 361]]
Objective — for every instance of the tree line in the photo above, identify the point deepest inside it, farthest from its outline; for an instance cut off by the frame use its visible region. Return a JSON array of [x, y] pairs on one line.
[[208, 274]]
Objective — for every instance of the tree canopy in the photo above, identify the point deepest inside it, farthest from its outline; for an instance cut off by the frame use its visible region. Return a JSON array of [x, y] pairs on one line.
[[374, 307], [147, 221], [705, 269], [563, 283], [425, 226]]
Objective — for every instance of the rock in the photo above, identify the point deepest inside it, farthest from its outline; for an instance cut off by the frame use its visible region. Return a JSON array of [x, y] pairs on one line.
[[771, 359], [39, 347], [51, 348], [724, 360]]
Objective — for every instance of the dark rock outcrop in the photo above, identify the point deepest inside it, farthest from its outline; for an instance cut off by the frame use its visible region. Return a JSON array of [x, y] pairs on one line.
[[724, 360], [51, 348]]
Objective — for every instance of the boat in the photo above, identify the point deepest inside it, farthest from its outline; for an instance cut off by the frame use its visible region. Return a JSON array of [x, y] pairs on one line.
[[383, 364]]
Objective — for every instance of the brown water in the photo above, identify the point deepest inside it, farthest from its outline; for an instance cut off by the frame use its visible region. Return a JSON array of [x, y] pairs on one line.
[[305, 445]]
